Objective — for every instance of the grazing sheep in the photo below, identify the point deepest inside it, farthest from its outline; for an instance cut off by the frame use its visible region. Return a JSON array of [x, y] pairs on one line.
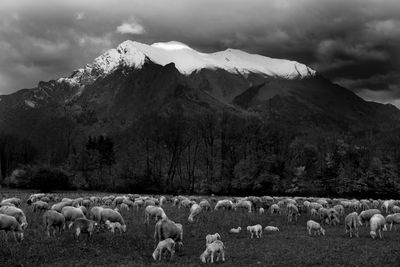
[[53, 219], [393, 219], [153, 211], [366, 215], [377, 224], [255, 229], [315, 205], [275, 209], [205, 205], [261, 211], [314, 213], [59, 206], [112, 216], [71, 214], [212, 238], [271, 229], [14, 200], [162, 200], [224, 204], [35, 197], [395, 209], [339, 209], [164, 245], [351, 222], [235, 230], [124, 207], [387, 205], [83, 225], [96, 213], [166, 228], [114, 225], [216, 247], [17, 213], [329, 216], [40, 206], [194, 211], [244, 204], [292, 212], [314, 228], [10, 224]]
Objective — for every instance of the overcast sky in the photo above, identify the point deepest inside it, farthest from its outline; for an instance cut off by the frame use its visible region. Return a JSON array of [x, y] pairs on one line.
[[352, 42]]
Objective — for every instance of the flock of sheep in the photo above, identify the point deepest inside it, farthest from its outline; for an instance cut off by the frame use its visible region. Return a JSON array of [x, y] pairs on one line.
[[88, 215]]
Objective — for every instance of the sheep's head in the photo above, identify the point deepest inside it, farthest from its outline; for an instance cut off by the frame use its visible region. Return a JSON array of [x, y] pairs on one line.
[[239, 228], [372, 234], [155, 254], [322, 231], [20, 236]]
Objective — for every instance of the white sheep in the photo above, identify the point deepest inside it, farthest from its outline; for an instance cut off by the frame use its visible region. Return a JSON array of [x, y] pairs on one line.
[[351, 222], [393, 219], [275, 209], [10, 224], [211, 238], [271, 229], [164, 245], [195, 210], [114, 225], [261, 211], [153, 211], [235, 230], [255, 229], [17, 213], [314, 227], [216, 247], [53, 219], [377, 224]]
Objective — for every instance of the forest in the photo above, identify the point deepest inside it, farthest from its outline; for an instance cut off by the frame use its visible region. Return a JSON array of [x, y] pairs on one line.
[[216, 152]]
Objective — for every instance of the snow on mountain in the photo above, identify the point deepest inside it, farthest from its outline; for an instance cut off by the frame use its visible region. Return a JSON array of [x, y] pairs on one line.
[[186, 60]]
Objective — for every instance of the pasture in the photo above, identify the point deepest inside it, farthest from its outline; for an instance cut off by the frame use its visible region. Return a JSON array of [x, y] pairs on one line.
[[289, 247]]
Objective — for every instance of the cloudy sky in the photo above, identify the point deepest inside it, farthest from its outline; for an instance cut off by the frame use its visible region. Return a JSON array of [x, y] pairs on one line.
[[353, 42]]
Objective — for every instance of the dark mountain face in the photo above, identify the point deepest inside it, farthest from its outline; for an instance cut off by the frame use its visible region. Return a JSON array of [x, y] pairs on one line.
[[112, 103]]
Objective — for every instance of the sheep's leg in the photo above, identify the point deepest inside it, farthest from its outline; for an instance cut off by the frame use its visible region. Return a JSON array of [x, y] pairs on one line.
[[212, 257], [390, 229], [223, 255]]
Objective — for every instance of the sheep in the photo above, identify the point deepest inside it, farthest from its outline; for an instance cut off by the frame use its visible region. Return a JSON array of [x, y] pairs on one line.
[[71, 214], [59, 206], [40, 206], [313, 213], [53, 219], [166, 228], [205, 205], [255, 229], [271, 229], [153, 211], [244, 204], [393, 219], [315, 205], [124, 207], [17, 213], [314, 227], [351, 222], [10, 224], [194, 211], [235, 230], [96, 213], [14, 200], [166, 244], [224, 204], [292, 212], [83, 225], [329, 216], [275, 209], [377, 224], [216, 247], [112, 216], [114, 225], [185, 203], [366, 215], [211, 238], [34, 197], [395, 209], [339, 209], [387, 205], [162, 200], [261, 211]]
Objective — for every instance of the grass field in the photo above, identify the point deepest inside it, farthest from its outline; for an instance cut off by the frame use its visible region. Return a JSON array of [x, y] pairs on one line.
[[289, 247]]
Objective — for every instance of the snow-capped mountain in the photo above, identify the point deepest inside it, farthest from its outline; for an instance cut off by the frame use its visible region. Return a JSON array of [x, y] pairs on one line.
[[135, 79], [187, 60]]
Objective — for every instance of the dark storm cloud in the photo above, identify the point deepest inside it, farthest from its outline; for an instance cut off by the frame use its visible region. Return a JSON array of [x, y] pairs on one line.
[[352, 42]]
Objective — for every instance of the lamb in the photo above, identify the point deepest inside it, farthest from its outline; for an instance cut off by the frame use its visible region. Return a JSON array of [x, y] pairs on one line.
[[351, 222], [53, 219], [275, 209], [255, 229], [393, 219], [153, 211], [83, 225], [212, 238], [114, 225], [271, 229], [166, 244], [166, 228], [194, 211], [216, 247], [377, 224], [235, 230], [112, 216], [10, 224], [17, 213], [314, 227], [366, 215]]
